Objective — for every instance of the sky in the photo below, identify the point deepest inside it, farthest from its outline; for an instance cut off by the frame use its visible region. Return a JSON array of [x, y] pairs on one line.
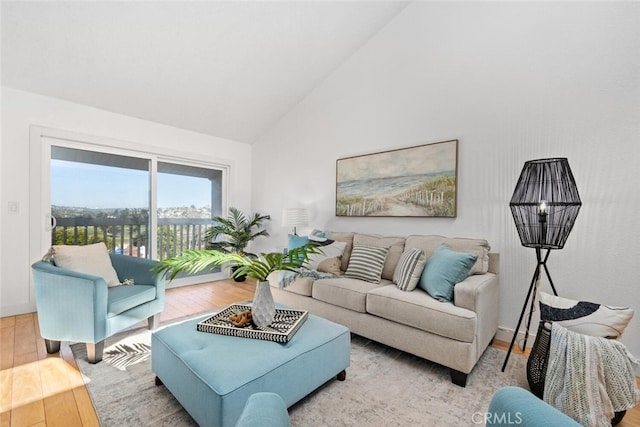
[[76, 184]]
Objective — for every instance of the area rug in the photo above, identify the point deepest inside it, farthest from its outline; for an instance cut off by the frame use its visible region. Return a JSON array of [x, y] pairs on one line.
[[384, 387]]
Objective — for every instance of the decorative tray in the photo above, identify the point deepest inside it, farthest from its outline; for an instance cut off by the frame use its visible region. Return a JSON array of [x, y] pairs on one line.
[[285, 324]]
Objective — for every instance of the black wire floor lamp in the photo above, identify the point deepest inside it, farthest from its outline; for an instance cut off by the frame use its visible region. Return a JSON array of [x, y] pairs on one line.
[[544, 205]]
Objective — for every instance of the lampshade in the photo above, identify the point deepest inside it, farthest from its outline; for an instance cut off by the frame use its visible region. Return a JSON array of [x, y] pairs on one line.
[[545, 203], [293, 217]]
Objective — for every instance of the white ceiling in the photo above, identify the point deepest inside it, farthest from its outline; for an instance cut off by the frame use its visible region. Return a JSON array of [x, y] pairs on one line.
[[229, 69]]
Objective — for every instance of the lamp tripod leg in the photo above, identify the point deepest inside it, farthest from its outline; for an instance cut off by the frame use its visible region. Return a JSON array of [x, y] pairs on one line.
[[531, 308], [546, 270], [536, 275]]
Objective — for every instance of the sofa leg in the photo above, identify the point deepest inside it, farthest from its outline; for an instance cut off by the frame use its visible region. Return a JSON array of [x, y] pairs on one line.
[[94, 351], [458, 378], [154, 321], [52, 346]]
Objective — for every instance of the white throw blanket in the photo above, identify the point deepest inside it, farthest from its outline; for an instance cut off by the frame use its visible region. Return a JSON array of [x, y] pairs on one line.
[[589, 378], [286, 277]]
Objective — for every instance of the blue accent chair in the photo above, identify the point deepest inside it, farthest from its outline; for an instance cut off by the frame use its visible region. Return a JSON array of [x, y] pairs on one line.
[[516, 406], [264, 410], [80, 307]]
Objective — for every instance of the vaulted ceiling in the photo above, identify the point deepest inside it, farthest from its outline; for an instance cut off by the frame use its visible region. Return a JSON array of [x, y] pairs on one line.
[[229, 69]]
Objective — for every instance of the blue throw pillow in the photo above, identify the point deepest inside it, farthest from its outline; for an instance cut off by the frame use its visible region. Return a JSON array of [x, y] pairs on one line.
[[444, 269]]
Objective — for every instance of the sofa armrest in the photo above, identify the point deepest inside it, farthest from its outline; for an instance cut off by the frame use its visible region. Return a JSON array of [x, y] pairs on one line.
[[494, 262], [480, 294], [477, 292]]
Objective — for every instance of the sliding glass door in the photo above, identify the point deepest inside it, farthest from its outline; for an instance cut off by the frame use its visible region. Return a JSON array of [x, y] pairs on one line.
[[138, 204], [100, 197], [189, 197], [151, 204]]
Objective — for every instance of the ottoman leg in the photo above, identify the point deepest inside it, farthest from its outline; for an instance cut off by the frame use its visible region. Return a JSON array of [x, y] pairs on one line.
[[159, 381], [342, 376]]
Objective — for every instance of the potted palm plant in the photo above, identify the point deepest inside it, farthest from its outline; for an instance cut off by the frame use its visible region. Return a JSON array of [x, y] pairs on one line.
[[255, 267], [237, 230]]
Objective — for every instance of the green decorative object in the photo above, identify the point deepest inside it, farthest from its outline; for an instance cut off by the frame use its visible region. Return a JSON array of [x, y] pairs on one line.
[[237, 230], [255, 267]]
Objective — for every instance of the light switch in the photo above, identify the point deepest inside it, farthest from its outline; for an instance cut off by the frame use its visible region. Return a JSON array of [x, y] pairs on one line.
[[14, 207]]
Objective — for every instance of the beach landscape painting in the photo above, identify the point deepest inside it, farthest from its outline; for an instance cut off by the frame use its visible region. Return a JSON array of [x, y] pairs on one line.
[[419, 181]]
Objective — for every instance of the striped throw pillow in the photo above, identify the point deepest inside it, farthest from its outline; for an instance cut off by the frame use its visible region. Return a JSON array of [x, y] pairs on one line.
[[366, 263], [409, 269]]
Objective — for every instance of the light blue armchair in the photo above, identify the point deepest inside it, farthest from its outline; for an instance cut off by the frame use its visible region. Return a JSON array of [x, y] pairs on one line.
[[264, 409], [80, 307], [516, 406]]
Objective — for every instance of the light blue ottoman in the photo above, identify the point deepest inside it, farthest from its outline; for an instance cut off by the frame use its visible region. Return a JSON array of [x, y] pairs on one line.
[[212, 375]]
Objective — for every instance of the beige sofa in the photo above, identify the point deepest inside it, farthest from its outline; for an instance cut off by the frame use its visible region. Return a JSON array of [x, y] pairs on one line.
[[452, 334]]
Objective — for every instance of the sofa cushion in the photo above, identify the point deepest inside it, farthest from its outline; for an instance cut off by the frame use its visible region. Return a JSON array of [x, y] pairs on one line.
[[89, 259], [444, 270], [478, 247], [300, 285], [366, 263], [345, 292], [409, 269], [419, 310], [348, 239], [123, 298], [395, 245]]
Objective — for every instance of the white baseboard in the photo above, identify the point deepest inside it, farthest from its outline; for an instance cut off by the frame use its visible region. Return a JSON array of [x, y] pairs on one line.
[[506, 335], [195, 280], [15, 310]]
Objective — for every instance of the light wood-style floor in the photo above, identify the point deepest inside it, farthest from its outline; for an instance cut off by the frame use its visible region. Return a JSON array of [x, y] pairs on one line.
[[38, 389]]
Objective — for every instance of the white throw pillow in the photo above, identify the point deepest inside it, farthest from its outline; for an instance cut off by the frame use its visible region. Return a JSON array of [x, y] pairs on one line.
[[585, 317], [333, 250], [89, 259]]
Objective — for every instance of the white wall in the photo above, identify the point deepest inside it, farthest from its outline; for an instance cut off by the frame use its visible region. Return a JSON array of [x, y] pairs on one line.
[[513, 82], [21, 109]]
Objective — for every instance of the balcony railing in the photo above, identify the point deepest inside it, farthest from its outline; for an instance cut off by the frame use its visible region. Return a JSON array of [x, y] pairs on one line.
[[130, 236]]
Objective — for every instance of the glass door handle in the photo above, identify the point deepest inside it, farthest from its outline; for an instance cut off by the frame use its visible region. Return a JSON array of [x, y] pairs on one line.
[[50, 222]]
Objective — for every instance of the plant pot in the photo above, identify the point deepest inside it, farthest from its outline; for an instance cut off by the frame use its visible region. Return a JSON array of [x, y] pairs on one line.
[[238, 278], [263, 308]]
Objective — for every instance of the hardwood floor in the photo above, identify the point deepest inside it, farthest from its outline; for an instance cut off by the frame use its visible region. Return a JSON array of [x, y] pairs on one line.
[[38, 389]]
